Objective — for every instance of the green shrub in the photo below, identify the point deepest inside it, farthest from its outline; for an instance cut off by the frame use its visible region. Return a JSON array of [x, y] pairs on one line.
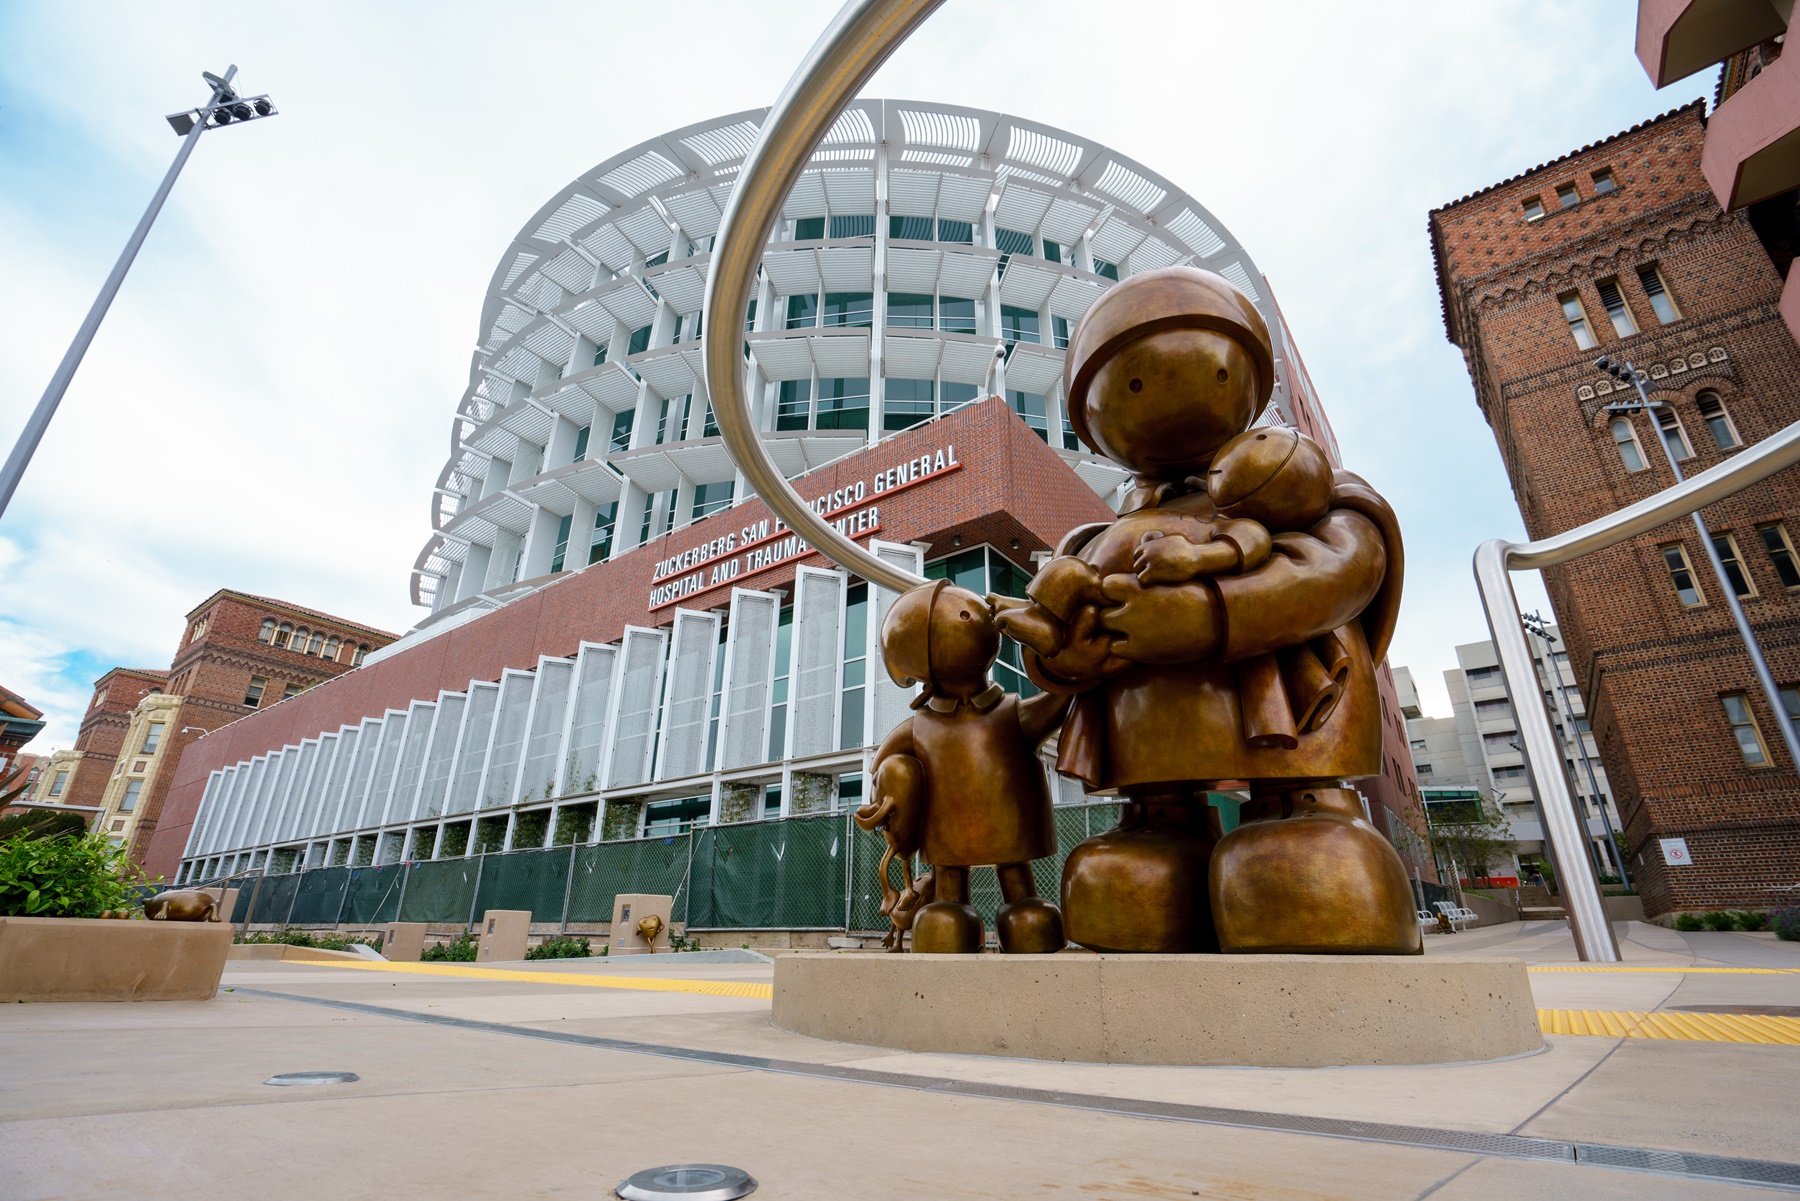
[[293, 936], [1688, 921], [1720, 921], [41, 823], [1749, 919], [1786, 923], [65, 876], [560, 948], [459, 950]]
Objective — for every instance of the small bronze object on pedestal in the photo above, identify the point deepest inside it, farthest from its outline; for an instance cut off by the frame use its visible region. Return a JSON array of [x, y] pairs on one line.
[[648, 929], [960, 781], [1223, 629], [182, 905]]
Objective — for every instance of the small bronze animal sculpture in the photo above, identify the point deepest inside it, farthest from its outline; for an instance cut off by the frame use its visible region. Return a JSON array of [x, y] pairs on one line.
[[182, 905]]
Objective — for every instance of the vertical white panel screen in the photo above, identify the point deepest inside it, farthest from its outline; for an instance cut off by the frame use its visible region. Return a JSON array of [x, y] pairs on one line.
[[296, 798], [440, 758], [241, 791], [587, 719], [544, 734], [891, 703], [471, 755], [687, 698], [335, 819], [312, 821], [818, 660], [412, 760], [360, 771], [640, 686], [393, 729], [749, 670], [275, 784], [509, 739], [207, 813]]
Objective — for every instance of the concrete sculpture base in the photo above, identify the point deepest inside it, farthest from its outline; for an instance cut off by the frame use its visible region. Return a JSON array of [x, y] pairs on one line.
[[1243, 1010], [90, 959]]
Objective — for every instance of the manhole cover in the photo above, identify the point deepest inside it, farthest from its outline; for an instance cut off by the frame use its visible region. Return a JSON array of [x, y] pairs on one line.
[[688, 1181], [290, 1079], [1757, 1011]]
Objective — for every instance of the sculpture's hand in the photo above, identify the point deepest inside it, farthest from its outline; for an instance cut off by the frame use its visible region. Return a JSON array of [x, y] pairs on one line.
[[1086, 656], [1173, 559], [1166, 623]]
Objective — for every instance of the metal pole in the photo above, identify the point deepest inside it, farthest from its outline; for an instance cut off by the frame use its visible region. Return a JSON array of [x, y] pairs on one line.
[[475, 893], [1771, 693], [405, 879], [1581, 748], [568, 888], [39, 421]]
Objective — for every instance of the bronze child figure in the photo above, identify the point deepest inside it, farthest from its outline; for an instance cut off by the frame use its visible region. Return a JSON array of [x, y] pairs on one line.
[[960, 781]]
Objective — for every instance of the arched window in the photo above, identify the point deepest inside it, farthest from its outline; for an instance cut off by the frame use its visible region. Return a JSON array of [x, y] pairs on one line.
[[268, 630], [317, 641], [283, 633], [1718, 421], [298, 646], [1629, 450], [331, 647], [361, 653]]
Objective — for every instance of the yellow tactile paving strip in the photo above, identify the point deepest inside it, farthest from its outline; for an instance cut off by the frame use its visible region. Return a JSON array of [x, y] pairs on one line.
[[708, 988], [1673, 967], [1692, 1027]]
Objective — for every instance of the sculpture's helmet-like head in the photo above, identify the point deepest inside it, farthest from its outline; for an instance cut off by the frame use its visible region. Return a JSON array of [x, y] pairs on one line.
[[1166, 368], [942, 635]]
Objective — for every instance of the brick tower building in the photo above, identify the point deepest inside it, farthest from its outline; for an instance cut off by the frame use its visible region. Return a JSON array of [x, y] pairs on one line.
[[1621, 248]]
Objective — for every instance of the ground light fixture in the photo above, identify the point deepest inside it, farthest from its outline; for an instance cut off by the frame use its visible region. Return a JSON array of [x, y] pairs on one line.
[[302, 1079], [1624, 372], [687, 1182], [222, 108]]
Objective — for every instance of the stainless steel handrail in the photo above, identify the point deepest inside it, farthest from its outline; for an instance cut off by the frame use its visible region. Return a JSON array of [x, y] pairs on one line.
[[1495, 560], [858, 40]]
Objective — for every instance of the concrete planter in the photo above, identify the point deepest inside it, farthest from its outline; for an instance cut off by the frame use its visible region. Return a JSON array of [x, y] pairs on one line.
[[90, 959]]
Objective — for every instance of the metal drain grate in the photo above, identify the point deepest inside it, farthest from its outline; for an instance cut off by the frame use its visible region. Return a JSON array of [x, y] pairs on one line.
[[1510, 1146]]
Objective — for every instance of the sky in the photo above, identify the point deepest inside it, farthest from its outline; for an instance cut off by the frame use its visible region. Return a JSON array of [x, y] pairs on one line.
[[269, 401]]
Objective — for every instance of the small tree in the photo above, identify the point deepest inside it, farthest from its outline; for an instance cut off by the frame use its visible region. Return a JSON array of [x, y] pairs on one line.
[[1472, 834]]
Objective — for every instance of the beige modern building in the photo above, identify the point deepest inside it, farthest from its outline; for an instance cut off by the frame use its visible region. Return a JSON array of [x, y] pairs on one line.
[[141, 757]]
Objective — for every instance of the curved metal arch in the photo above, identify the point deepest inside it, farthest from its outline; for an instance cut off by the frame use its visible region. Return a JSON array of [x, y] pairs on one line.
[[856, 43]]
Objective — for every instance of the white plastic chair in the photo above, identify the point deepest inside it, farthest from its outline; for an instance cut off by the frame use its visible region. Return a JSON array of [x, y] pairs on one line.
[[1457, 913]]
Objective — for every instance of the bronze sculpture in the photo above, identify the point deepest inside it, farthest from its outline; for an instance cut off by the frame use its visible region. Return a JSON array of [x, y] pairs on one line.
[[182, 905], [960, 781], [648, 929]]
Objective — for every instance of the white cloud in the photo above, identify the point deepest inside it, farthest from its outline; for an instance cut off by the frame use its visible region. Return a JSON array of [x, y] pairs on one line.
[[267, 406]]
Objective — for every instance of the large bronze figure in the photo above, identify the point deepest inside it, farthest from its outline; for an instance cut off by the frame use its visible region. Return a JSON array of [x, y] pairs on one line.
[[1224, 629]]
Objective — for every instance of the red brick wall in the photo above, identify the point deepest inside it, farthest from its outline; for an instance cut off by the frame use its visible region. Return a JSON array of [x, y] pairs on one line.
[[1011, 485], [102, 731], [1652, 670]]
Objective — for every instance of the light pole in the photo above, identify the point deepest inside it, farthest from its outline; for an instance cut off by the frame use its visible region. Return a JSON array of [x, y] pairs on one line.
[[1624, 371], [225, 107], [1538, 626]]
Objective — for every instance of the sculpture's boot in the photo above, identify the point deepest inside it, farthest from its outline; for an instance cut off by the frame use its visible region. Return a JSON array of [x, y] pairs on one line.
[[949, 925], [1307, 874], [1142, 885], [1026, 924]]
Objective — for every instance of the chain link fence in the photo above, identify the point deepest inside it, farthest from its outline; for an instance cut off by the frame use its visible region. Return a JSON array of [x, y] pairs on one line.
[[801, 873]]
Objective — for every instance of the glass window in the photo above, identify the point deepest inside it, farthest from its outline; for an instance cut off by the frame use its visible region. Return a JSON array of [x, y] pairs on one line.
[[844, 403], [1743, 728], [917, 229], [1579, 328], [1018, 324], [909, 310], [621, 431], [1681, 574], [853, 225], [808, 228], [1718, 421], [1673, 434], [152, 738], [561, 552], [793, 405], [1010, 242], [710, 427], [1059, 332], [855, 309], [1627, 441], [254, 694], [710, 498], [599, 355], [129, 801], [332, 644], [956, 315], [640, 340], [1781, 553], [291, 691], [1534, 209], [1603, 182], [1616, 309], [663, 819], [1661, 303], [1790, 702], [59, 783], [1418, 744], [778, 691], [1109, 270], [910, 402], [750, 315], [956, 231], [267, 634], [1053, 251], [953, 396], [856, 649], [600, 541], [1567, 195], [1031, 407], [1727, 548], [802, 311], [656, 260], [362, 652], [672, 422], [581, 443], [283, 633], [315, 643]]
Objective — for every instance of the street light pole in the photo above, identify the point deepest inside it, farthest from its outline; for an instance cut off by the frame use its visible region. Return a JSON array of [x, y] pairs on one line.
[[196, 123], [1621, 370], [1538, 626]]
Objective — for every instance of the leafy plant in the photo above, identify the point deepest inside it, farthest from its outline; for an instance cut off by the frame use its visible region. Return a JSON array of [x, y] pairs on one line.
[[1481, 841], [1722, 920], [40, 823], [65, 876], [293, 936], [461, 949], [1786, 923], [1689, 922], [1749, 919], [560, 948], [680, 942]]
